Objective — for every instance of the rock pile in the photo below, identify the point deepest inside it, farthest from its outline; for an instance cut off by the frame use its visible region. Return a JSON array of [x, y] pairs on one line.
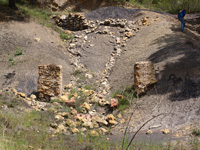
[[77, 118], [72, 22]]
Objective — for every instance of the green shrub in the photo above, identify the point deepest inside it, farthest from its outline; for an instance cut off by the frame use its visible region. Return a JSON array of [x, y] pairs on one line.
[[125, 97], [196, 132], [19, 52]]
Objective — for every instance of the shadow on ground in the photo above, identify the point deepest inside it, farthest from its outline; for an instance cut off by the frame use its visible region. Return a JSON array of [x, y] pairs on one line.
[[180, 73], [194, 22], [8, 14]]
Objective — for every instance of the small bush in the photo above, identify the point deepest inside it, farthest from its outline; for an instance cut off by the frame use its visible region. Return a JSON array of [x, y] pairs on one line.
[[125, 97], [63, 36], [196, 132]]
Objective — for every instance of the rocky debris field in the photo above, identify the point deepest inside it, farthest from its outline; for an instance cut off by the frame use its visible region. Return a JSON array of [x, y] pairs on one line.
[[100, 60]]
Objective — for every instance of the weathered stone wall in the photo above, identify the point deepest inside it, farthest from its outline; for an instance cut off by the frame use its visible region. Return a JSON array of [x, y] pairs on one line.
[[49, 82], [144, 76], [72, 22]]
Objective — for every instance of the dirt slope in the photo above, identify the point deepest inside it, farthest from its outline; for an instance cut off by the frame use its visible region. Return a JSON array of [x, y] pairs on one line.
[[176, 57], [22, 71]]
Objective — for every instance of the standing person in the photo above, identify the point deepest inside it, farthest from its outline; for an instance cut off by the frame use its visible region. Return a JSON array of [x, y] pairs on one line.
[[181, 15]]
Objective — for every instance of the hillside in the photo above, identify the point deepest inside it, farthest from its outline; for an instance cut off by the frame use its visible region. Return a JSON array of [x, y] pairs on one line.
[[103, 57]]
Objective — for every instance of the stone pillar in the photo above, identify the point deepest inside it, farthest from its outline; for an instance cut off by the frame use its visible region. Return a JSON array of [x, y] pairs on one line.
[[49, 82], [144, 76]]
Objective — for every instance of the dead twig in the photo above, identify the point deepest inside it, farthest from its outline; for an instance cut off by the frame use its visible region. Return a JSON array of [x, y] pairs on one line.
[[126, 130], [140, 129]]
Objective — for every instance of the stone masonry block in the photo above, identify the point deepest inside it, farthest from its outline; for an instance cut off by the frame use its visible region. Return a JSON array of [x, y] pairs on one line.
[[144, 76], [49, 82]]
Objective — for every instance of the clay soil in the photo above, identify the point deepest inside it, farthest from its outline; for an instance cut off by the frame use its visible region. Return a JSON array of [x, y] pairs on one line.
[[175, 54]]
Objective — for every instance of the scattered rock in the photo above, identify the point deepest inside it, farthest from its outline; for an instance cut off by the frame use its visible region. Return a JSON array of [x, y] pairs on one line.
[[64, 98], [111, 119], [93, 133], [112, 122], [149, 132], [85, 107], [100, 120], [75, 130], [88, 75], [155, 126], [68, 32], [64, 114], [14, 91], [118, 40], [70, 102], [83, 129], [59, 117], [119, 115], [70, 123], [144, 21], [128, 34], [28, 99], [103, 131], [37, 39], [33, 97], [165, 131], [21, 94], [72, 46], [69, 86], [122, 121], [114, 102], [61, 128], [103, 102], [87, 123], [74, 112], [54, 125]]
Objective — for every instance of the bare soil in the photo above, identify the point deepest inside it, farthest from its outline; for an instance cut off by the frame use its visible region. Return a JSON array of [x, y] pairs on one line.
[[22, 71]]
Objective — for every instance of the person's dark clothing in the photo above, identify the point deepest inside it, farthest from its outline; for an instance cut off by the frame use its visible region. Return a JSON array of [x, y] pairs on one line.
[[181, 15]]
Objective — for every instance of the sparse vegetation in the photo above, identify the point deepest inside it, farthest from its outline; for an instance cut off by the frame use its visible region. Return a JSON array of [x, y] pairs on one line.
[[63, 35], [19, 52], [196, 132], [77, 72], [11, 60], [125, 97]]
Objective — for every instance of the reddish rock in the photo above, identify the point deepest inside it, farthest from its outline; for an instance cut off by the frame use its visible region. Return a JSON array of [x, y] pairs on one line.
[[114, 103], [70, 102]]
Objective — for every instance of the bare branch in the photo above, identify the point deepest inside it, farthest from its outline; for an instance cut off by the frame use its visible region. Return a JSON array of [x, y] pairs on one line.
[[140, 129]]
